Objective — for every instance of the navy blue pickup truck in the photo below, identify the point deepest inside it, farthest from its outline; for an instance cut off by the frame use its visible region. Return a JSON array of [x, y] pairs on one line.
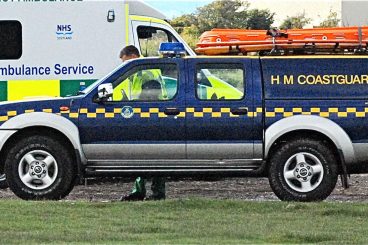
[[300, 120]]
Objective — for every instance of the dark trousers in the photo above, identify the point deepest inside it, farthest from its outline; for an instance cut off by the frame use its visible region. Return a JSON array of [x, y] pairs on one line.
[[158, 186]]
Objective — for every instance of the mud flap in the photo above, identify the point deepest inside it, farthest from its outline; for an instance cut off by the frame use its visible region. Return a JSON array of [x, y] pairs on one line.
[[344, 173]]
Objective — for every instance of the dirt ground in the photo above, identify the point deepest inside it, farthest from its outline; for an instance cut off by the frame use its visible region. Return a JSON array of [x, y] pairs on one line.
[[257, 189]]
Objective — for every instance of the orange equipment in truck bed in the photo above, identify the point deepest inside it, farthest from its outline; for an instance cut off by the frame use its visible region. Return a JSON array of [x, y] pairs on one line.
[[229, 41]]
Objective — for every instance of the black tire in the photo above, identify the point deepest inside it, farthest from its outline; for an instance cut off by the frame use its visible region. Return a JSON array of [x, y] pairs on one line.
[[60, 167], [3, 183], [321, 175]]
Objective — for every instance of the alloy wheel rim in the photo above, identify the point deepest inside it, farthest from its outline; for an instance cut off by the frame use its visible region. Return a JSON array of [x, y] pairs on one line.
[[303, 172], [38, 169]]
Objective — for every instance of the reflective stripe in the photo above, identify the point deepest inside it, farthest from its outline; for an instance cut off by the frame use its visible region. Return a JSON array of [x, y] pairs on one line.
[[198, 112], [23, 89]]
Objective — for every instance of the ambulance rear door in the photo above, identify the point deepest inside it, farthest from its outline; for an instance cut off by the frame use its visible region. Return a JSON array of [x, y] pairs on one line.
[[64, 37]]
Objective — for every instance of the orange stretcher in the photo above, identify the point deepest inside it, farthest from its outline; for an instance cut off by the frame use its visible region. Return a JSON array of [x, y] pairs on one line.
[[230, 41]]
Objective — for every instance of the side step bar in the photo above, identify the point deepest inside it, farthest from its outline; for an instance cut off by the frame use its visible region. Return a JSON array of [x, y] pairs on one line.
[[182, 168]]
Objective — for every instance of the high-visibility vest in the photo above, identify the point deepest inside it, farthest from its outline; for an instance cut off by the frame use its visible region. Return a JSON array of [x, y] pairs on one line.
[[132, 86]]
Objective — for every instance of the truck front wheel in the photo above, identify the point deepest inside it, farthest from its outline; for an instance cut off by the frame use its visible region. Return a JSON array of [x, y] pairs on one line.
[[39, 167], [303, 170]]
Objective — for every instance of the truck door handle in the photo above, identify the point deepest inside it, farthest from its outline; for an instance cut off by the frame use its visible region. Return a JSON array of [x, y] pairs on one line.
[[172, 111], [239, 111]]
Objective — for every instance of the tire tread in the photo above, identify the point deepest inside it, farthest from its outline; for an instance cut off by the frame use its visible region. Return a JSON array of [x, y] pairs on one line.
[[284, 151], [66, 176]]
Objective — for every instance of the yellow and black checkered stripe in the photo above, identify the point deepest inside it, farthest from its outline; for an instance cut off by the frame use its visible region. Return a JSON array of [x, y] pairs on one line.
[[151, 112], [325, 112], [116, 112], [155, 112], [200, 113], [13, 113]]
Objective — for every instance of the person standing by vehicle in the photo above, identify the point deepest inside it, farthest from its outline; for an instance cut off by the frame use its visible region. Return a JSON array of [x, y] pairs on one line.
[[138, 83]]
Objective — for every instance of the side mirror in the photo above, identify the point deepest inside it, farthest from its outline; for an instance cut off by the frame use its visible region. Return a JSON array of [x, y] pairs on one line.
[[105, 92]]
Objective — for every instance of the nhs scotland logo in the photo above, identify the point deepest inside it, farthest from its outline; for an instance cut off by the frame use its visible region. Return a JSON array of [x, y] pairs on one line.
[[64, 32]]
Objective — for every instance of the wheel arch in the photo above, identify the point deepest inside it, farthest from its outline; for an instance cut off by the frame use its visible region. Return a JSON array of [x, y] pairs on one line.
[[46, 124], [310, 126]]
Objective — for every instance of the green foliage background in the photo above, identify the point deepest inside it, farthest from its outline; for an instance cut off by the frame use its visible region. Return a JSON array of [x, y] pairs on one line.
[[237, 14], [233, 14]]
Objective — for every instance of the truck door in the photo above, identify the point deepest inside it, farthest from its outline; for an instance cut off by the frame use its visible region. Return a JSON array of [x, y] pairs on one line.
[[219, 109], [143, 121]]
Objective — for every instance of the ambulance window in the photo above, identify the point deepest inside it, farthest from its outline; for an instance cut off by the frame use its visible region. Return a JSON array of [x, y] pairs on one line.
[[150, 39], [220, 82], [147, 83], [10, 40]]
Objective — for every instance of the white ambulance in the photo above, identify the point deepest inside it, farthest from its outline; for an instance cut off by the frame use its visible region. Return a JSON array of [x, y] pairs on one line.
[[56, 47]]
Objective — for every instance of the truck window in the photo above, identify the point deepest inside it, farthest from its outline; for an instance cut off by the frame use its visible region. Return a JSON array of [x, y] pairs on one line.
[[220, 82], [147, 83], [150, 39], [10, 40]]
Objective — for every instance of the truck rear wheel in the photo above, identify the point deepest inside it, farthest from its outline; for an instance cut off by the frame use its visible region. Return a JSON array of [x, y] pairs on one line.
[[3, 183], [39, 167], [303, 170]]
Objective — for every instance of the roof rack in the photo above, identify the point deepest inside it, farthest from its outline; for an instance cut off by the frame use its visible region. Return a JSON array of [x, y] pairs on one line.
[[339, 40]]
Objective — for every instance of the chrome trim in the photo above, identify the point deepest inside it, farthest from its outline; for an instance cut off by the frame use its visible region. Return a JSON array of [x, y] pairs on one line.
[[360, 150], [170, 170], [172, 167], [176, 162], [258, 151], [220, 151], [133, 151]]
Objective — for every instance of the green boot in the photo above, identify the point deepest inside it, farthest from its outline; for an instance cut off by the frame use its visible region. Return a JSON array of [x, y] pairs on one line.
[[139, 187], [138, 193]]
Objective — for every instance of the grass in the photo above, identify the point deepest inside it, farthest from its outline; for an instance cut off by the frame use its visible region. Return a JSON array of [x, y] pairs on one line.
[[183, 221]]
